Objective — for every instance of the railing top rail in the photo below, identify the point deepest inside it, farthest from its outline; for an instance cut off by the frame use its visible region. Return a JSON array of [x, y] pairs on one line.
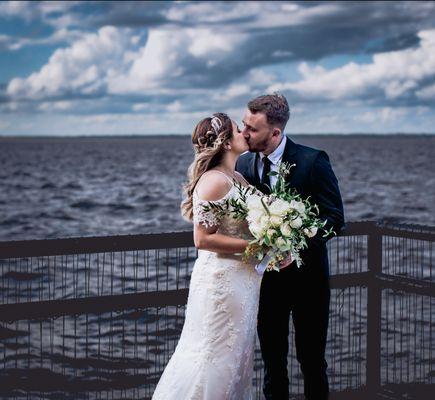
[[401, 233], [406, 227], [101, 244], [94, 244]]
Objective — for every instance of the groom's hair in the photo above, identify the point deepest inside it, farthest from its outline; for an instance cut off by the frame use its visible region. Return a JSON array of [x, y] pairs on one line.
[[274, 106]]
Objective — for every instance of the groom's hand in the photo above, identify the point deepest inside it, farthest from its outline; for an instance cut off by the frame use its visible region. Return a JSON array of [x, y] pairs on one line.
[[286, 262]]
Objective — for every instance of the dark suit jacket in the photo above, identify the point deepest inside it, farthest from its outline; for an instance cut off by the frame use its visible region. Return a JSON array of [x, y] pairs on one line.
[[312, 176]]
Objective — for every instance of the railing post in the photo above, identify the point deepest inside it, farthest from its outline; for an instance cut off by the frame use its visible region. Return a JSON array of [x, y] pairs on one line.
[[374, 311]]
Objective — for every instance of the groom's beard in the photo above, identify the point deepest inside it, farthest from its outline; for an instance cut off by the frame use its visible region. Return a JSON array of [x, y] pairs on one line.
[[258, 147]]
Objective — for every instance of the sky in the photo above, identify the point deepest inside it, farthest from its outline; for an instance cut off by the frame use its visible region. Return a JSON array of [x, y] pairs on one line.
[[136, 68]]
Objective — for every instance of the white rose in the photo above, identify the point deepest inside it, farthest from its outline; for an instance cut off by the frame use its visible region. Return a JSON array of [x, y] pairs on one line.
[[286, 230], [299, 206], [256, 230], [270, 232], [312, 231], [264, 221], [293, 204], [275, 220], [254, 215], [254, 202], [296, 223], [281, 244], [279, 207]]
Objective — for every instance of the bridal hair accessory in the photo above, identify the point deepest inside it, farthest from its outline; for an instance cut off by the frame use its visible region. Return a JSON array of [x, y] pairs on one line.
[[211, 138], [216, 124]]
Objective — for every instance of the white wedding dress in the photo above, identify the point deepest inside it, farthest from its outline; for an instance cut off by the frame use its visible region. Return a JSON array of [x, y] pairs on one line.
[[214, 356]]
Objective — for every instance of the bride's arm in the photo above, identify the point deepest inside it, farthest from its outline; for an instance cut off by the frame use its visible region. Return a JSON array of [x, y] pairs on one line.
[[208, 239], [214, 188]]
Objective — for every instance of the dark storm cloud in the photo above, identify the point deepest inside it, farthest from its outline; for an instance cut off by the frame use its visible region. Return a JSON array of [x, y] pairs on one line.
[[348, 28], [132, 14], [336, 26], [355, 28]]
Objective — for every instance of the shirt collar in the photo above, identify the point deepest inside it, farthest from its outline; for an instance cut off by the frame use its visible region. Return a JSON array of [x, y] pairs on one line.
[[276, 156]]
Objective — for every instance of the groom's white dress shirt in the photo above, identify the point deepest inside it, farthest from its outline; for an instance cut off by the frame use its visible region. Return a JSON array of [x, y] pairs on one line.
[[275, 159]]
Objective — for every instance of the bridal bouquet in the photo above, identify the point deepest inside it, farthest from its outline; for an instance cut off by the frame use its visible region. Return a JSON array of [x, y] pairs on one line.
[[280, 222]]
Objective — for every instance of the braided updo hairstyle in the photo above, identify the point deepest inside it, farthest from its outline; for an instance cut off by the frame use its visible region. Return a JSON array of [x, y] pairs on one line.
[[209, 138]]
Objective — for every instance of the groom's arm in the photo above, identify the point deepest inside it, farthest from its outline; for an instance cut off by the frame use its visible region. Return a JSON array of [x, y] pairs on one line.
[[326, 194]]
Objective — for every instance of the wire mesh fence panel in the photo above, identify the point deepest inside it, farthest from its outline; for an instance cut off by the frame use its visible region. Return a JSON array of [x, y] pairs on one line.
[[103, 323], [35, 279], [94, 355]]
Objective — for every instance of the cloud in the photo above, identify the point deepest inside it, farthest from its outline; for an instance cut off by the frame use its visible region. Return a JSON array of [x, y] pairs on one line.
[[133, 14], [383, 115], [237, 90], [311, 30], [81, 69], [293, 31], [140, 106], [391, 75], [48, 11], [208, 45], [4, 125], [426, 93], [60, 36], [190, 58], [23, 9], [113, 61], [179, 59], [87, 14], [174, 107], [236, 37], [217, 14], [56, 106]]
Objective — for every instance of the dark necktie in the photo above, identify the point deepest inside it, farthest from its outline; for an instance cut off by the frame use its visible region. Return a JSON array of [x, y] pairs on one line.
[[265, 178]]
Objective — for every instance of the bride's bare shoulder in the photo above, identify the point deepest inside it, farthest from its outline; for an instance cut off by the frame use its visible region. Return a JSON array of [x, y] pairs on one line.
[[212, 186]]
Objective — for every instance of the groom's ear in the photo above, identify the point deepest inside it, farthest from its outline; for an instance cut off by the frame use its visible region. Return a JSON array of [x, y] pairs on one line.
[[276, 132]]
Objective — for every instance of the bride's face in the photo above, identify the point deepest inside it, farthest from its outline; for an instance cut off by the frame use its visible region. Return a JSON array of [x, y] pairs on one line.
[[238, 142]]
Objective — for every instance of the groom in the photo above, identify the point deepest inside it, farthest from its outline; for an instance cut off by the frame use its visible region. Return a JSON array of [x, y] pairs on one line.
[[302, 292]]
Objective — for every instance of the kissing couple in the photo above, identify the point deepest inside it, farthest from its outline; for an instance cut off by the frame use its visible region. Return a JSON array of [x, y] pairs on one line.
[[228, 300]]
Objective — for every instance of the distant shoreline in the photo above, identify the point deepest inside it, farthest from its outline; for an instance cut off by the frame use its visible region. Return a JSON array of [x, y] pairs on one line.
[[176, 135]]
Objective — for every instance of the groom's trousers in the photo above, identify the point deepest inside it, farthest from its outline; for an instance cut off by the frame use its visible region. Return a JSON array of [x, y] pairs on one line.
[[305, 296]]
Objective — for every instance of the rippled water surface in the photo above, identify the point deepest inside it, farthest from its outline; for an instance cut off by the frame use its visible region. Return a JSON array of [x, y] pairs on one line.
[[63, 187]]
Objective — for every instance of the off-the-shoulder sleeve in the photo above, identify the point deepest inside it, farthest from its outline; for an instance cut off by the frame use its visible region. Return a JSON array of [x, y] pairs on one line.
[[207, 215]]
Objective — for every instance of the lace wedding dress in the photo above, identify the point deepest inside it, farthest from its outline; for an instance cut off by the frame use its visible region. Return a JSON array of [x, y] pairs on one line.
[[214, 356]]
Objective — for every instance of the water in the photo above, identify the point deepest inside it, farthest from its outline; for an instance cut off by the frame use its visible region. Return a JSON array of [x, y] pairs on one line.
[[64, 187]]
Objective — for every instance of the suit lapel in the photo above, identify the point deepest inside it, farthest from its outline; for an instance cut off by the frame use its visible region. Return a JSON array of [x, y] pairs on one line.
[[254, 170], [289, 151], [251, 173], [289, 156]]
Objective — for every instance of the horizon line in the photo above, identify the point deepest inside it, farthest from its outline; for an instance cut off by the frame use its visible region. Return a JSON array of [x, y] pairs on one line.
[[144, 135]]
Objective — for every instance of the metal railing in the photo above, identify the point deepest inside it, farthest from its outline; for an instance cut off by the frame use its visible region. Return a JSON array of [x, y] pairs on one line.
[[99, 317]]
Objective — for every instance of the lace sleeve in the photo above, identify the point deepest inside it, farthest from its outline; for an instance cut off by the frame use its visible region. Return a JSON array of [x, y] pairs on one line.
[[204, 213]]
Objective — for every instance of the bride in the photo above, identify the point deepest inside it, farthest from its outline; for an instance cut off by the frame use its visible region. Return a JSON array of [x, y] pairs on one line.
[[214, 356]]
